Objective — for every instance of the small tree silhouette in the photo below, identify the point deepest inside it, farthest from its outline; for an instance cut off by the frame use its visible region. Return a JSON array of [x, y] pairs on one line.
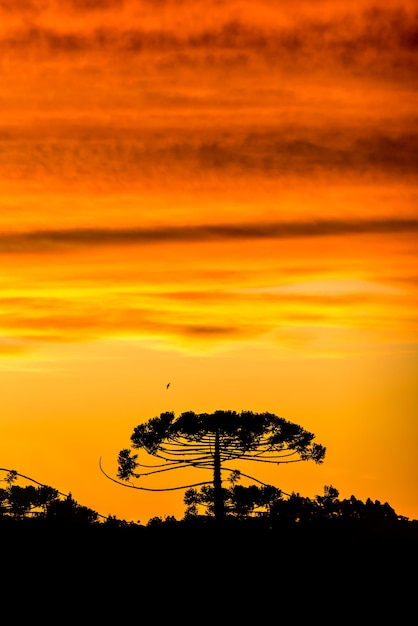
[[24, 501], [208, 441], [41, 501]]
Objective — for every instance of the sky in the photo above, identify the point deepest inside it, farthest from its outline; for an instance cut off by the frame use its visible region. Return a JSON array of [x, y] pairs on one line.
[[223, 199]]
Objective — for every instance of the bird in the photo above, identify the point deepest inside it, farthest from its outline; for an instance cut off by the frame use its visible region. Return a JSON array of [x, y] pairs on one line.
[[168, 384]]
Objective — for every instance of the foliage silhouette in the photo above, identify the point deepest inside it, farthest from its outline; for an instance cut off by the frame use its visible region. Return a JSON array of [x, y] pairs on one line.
[[257, 513], [20, 501], [42, 501], [239, 501], [208, 441]]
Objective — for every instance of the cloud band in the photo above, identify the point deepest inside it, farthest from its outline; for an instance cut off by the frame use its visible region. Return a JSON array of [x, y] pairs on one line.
[[39, 240]]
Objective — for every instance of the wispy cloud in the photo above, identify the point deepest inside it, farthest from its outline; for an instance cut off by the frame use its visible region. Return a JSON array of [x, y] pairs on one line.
[[95, 157], [233, 322], [379, 39], [65, 239], [229, 130]]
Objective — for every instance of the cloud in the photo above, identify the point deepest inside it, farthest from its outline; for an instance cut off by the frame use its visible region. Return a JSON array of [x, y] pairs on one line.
[[367, 38], [198, 318], [209, 331], [108, 156], [22, 6], [42, 7], [68, 239], [92, 5], [33, 321], [287, 297]]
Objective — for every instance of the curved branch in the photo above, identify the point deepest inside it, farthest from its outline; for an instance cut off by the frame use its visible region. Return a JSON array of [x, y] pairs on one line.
[[274, 459], [3, 469], [256, 480], [129, 486]]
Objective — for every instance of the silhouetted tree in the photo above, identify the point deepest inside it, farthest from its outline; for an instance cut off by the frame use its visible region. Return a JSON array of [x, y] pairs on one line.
[[41, 501], [328, 504], [208, 441], [70, 512], [19, 501]]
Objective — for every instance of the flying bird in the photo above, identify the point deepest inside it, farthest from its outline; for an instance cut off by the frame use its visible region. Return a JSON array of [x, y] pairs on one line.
[[168, 384]]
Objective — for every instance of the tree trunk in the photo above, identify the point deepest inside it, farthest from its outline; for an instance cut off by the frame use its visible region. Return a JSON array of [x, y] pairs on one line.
[[218, 500]]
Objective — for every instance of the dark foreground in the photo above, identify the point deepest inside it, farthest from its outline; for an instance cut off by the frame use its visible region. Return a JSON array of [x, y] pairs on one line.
[[198, 573]]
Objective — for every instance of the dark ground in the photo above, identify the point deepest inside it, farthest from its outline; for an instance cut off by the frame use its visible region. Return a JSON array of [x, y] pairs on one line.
[[200, 573]]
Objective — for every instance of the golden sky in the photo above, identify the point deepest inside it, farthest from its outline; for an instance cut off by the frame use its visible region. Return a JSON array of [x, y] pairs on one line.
[[224, 199]]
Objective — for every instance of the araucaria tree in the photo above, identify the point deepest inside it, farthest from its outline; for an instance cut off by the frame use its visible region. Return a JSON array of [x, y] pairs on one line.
[[209, 441]]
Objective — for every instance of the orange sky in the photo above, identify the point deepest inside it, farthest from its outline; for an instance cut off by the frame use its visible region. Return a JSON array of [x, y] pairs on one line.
[[224, 200]]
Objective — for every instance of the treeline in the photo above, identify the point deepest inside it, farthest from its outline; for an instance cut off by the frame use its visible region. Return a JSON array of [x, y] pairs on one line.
[[257, 507]]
